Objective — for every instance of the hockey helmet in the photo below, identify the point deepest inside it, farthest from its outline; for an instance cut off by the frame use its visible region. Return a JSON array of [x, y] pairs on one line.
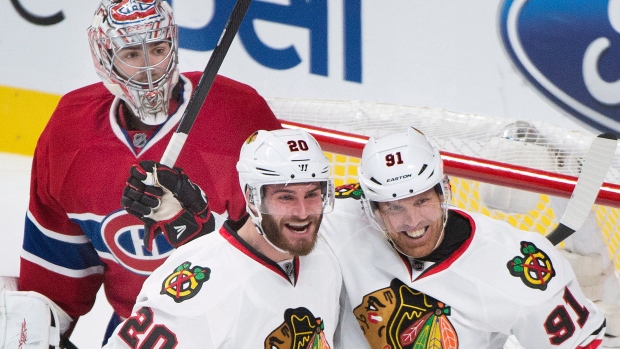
[[284, 156], [399, 165], [121, 26]]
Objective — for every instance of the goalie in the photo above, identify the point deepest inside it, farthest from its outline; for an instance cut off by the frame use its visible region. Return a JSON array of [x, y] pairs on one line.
[[585, 249]]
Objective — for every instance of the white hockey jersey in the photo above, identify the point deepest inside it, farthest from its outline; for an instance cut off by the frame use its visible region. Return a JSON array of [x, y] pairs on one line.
[[218, 292], [500, 281]]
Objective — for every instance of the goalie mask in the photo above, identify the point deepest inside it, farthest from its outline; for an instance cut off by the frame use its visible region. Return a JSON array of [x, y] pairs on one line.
[[282, 157], [134, 49], [399, 166]]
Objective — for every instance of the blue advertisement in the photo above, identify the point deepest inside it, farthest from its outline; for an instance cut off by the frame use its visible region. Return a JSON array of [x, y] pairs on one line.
[[310, 15], [570, 51]]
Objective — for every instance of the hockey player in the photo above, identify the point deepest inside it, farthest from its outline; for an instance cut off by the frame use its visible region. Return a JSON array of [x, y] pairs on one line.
[[77, 236], [426, 275], [264, 280]]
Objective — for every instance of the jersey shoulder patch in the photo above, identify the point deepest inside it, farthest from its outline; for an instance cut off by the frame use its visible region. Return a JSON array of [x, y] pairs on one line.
[[534, 266], [351, 190], [185, 281]]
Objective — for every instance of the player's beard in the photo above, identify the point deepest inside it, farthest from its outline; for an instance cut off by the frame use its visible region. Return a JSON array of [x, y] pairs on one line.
[[273, 231]]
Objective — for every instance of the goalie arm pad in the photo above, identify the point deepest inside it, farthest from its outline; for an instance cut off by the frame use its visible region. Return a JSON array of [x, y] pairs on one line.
[[30, 320]]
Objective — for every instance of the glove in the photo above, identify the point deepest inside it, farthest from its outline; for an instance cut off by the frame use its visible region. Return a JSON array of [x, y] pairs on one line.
[[167, 202]]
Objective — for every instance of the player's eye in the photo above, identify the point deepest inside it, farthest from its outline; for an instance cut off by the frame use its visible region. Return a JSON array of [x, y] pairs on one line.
[[313, 195], [285, 197], [422, 201]]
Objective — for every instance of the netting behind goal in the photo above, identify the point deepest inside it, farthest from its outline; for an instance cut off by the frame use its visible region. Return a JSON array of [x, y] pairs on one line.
[[485, 157]]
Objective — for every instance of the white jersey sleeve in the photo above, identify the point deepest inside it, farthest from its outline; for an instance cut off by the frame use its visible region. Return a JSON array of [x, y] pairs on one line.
[[516, 282], [151, 327], [562, 317]]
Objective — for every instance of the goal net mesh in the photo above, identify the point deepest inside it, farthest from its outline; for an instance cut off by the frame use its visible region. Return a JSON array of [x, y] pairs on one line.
[[528, 143]]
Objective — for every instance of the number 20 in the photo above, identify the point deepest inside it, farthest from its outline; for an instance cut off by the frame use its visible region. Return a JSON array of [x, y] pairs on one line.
[[297, 145], [139, 324]]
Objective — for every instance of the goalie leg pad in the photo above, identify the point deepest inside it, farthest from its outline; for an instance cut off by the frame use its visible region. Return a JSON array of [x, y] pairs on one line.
[[29, 320]]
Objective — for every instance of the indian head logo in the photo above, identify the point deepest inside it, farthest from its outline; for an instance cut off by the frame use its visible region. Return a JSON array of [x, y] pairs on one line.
[[398, 317], [185, 282], [534, 267], [300, 330], [129, 11], [569, 51]]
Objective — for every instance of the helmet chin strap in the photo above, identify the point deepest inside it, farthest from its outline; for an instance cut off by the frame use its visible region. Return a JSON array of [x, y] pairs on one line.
[[257, 220]]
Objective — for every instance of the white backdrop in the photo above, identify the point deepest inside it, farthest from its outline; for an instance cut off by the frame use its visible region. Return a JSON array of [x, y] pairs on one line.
[[442, 53]]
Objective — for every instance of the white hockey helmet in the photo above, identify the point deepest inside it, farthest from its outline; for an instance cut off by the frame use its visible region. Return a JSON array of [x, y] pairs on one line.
[[121, 24], [284, 156], [398, 166]]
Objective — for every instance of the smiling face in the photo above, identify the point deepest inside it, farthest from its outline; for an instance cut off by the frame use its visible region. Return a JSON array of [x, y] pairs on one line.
[[292, 215], [414, 224]]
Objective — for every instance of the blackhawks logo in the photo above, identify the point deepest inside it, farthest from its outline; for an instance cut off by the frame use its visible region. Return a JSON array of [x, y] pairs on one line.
[[252, 138], [399, 317], [185, 282], [352, 190], [534, 268], [300, 330]]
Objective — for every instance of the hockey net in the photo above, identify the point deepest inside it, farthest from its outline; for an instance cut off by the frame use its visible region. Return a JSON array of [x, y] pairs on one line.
[[520, 171]]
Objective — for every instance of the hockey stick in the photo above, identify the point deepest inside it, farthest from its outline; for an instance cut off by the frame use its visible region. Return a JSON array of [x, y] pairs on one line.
[[593, 171], [204, 85]]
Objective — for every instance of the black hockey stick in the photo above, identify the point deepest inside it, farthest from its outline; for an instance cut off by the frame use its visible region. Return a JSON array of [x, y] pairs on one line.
[[204, 85], [595, 166]]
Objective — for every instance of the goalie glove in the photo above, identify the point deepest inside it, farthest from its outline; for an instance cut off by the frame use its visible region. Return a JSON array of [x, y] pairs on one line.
[[167, 202]]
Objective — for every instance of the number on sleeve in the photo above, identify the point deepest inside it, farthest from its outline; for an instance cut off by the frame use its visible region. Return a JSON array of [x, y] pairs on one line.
[[581, 311], [559, 324], [160, 333], [139, 324]]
